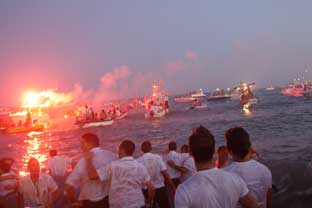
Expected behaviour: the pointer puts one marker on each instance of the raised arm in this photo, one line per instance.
(181, 169)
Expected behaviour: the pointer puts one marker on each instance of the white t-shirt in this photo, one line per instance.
(92, 190)
(211, 188)
(36, 194)
(257, 177)
(187, 162)
(154, 166)
(10, 182)
(128, 177)
(176, 157)
(58, 165)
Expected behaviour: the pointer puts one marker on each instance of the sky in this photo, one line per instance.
(108, 48)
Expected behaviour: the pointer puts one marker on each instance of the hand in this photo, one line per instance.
(171, 163)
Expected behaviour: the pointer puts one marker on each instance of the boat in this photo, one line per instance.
(156, 105)
(270, 88)
(218, 95)
(123, 115)
(294, 89)
(198, 94)
(184, 99)
(22, 129)
(203, 106)
(97, 124)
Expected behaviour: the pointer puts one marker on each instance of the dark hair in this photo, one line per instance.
(172, 146)
(237, 141)
(5, 164)
(202, 145)
(184, 148)
(91, 139)
(146, 146)
(53, 152)
(128, 146)
(33, 160)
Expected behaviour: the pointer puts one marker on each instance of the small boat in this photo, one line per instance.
(204, 106)
(158, 114)
(123, 115)
(16, 130)
(198, 94)
(270, 88)
(218, 95)
(253, 101)
(97, 124)
(296, 89)
(184, 99)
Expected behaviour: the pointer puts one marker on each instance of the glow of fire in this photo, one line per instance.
(32, 99)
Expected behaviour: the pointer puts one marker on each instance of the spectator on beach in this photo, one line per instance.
(176, 158)
(58, 166)
(127, 178)
(223, 157)
(8, 184)
(257, 176)
(158, 173)
(37, 189)
(93, 192)
(211, 187)
(187, 168)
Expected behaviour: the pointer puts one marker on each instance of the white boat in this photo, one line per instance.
(253, 101)
(158, 114)
(296, 89)
(184, 99)
(270, 88)
(204, 106)
(218, 95)
(122, 116)
(97, 124)
(198, 94)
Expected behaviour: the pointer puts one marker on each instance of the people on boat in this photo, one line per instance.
(157, 170)
(103, 115)
(256, 175)
(28, 121)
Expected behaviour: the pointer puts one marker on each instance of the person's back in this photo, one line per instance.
(211, 188)
(58, 165)
(257, 177)
(127, 180)
(154, 165)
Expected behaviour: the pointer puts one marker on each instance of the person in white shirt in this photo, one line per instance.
(158, 173)
(37, 189)
(57, 166)
(210, 187)
(176, 158)
(93, 192)
(127, 178)
(257, 176)
(187, 168)
(8, 184)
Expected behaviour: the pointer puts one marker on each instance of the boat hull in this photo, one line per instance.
(151, 115)
(216, 98)
(97, 124)
(18, 130)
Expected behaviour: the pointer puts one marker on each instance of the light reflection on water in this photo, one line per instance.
(34, 148)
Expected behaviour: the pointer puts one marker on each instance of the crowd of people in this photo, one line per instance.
(190, 177)
(88, 114)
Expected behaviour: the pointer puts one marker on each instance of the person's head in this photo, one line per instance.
(126, 148)
(33, 166)
(146, 146)
(5, 165)
(237, 142)
(53, 153)
(172, 146)
(184, 148)
(89, 141)
(202, 145)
